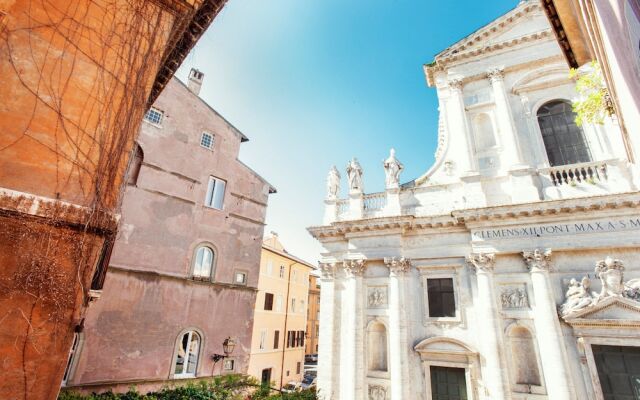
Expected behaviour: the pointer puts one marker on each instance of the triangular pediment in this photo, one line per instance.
(526, 19)
(611, 310)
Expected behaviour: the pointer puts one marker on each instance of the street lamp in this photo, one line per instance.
(227, 347)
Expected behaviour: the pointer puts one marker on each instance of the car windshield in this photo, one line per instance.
(308, 379)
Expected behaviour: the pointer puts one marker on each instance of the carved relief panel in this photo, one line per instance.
(514, 296)
(377, 296)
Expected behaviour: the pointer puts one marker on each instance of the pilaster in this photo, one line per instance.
(548, 330)
(459, 137)
(398, 347)
(493, 372)
(350, 380)
(328, 366)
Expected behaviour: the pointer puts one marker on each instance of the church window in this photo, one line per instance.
(441, 297)
(564, 141)
(523, 352)
(377, 347)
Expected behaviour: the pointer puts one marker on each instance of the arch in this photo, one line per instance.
(203, 261)
(484, 132)
(137, 158)
(444, 345)
(377, 347)
(549, 76)
(524, 356)
(564, 141)
(187, 354)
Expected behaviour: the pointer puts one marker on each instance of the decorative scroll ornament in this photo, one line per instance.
(481, 262)
(514, 298)
(328, 270)
(392, 170)
(333, 183)
(455, 84)
(397, 266)
(377, 392)
(354, 174)
(611, 274)
(354, 267)
(495, 74)
(537, 260)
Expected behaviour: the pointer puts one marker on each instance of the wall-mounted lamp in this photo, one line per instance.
(227, 347)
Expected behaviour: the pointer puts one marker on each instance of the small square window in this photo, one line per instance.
(154, 116)
(241, 278)
(229, 365)
(206, 140)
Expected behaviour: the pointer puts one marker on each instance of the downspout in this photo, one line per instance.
(286, 316)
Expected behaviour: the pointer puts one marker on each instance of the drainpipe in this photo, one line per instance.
(286, 316)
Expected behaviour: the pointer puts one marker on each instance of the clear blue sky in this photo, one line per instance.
(313, 83)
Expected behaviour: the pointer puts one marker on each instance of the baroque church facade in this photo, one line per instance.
(510, 269)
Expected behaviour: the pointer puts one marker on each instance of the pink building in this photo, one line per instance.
(184, 271)
(609, 32)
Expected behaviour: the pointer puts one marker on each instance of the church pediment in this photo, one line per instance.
(610, 311)
(443, 345)
(553, 75)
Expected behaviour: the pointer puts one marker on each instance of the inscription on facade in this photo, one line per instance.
(573, 228)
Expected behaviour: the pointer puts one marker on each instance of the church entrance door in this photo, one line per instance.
(619, 371)
(448, 383)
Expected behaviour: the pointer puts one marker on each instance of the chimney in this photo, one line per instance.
(195, 81)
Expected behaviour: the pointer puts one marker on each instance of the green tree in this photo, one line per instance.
(595, 102)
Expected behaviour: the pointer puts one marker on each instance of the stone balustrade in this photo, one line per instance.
(574, 174)
(374, 202)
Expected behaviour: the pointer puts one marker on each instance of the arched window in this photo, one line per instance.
(187, 354)
(525, 361)
(564, 141)
(135, 164)
(203, 262)
(377, 347)
(485, 138)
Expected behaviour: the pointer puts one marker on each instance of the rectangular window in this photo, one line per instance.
(263, 338)
(317, 330)
(215, 193)
(268, 301)
(241, 278)
(206, 140)
(441, 297)
(279, 301)
(229, 365)
(269, 268)
(298, 367)
(276, 339)
(282, 271)
(294, 276)
(154, 116)
(293, 305)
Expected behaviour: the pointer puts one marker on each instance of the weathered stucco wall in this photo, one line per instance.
(150, 297)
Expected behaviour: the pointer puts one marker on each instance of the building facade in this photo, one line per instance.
(184, 271)
(609, 32)
(69, 116)
(277, 347)
(313, 316)
(510, 269)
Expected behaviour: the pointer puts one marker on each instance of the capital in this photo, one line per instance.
(354, 267)
(455, 84)
(495, 74)
(537, 260)
(397, 266)
(481, 262)
(328, 270)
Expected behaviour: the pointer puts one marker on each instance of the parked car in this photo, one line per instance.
(292, 387)
(311, 358)
(309, 381)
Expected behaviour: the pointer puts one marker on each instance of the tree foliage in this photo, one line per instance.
(595, 102)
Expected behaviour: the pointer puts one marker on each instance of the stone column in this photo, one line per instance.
(493, 372)
(351, 331)
(510, 155)
(328, 371)
(459, 138)
(548, 330)
(398, 362)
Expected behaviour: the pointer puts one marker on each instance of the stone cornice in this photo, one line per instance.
(478, 216)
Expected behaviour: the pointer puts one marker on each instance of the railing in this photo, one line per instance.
(573, 174)
(343, 206)
(375, 201)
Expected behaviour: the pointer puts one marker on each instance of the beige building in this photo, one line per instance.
(313, 316)
(278, 343)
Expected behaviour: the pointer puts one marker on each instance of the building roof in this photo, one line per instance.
(272, 244)
(569, 31)
(184, 37)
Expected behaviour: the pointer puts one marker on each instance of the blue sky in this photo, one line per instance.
(313, 83)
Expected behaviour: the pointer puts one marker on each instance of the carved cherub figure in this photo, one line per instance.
(577, 296)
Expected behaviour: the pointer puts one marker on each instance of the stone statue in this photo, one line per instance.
(354, 174)
(610, 272)
(333, 183)
(577, 297)
(392, 170)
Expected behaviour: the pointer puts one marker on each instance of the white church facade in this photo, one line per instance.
(510, 269)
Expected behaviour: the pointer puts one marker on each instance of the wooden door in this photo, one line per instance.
(448, 383)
